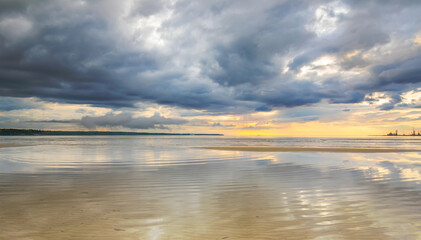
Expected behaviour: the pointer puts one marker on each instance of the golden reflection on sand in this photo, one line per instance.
(238, 214)
(128, 206)
(308, 149)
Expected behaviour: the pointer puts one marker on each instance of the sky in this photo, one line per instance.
(239, 67)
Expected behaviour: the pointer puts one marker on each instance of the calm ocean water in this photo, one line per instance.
(161, 187)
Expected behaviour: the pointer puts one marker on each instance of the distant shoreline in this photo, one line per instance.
(35, 132)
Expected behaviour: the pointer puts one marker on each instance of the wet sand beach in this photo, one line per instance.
(167, 188)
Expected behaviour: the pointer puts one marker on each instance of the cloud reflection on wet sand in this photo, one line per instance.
(186, 193)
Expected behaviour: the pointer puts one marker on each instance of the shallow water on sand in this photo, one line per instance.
(155, 187)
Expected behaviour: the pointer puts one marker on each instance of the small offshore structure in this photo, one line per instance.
(413, 133)
(393, 134)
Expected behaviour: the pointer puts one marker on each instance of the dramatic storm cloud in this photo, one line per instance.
(128, 121)
(217, 57)
(125, 120)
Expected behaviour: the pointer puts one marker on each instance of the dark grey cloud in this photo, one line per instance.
(125, 120)
(217, 56)
(395, 99)
(280, 94)
(248, 57)
(394, 79)
(128, 121)
(398, 73)
(218, 124)
(10, 104)
(147, 7)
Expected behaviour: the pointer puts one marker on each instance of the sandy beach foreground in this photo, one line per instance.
(161, 187)
(308, 149)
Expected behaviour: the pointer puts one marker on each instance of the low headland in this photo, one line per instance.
(36, 132)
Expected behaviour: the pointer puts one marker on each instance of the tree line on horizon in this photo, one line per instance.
(36, 132)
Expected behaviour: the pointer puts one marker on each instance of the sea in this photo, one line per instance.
(168, 187)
